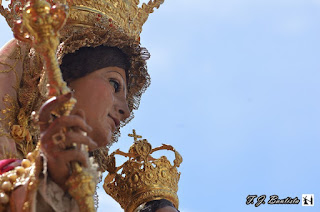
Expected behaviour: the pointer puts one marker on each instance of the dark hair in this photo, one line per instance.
(88, 59)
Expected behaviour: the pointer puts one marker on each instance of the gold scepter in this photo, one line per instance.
(40, 27)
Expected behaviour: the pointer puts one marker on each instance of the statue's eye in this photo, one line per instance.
(115, 85)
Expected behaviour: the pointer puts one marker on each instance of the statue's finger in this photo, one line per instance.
(72, 121)
(80, 113)
(50, 105)
(73, 155)
(79, 138)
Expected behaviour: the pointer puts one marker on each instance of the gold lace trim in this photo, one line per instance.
(30, 99)
(10, 112)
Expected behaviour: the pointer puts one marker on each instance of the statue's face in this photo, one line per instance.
(102, 97)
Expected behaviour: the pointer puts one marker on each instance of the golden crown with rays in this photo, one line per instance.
(126, 15)
(143, 178)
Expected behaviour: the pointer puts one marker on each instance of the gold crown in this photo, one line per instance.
(143, 178)
(123, 14)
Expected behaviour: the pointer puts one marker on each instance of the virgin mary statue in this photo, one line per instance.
(104, 67)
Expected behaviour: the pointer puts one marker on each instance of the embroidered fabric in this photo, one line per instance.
(53, 195)
(10, 74)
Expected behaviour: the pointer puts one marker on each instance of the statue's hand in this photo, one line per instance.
(58, 139)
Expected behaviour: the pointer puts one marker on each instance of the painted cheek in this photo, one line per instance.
(102, 91)
(104, 99)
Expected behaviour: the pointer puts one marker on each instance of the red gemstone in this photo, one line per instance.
(17, 8)
(110, 25)
(110, 19)
(98, 19)
(99, 15)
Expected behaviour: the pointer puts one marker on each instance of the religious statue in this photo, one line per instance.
(72, 77)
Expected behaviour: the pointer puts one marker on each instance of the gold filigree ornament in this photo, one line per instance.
(21, 134)
(82, 184)
(9, 113)
(142, 178)
(123, 14)
(24, 175)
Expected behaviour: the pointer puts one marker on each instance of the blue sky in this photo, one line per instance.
(235, 89)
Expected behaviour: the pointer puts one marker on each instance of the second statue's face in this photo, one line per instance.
(101, 95)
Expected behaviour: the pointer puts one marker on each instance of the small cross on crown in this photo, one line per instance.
(134, 135)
